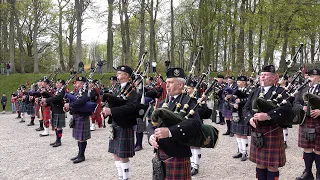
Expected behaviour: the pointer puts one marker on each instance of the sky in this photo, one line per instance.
(95, 31)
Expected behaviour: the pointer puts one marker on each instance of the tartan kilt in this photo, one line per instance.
(96, 116)
(46, 113)
(58, 120)
(227, 113)
(310, 123)
(81, 129)
(272, 154)
(141, 126)
(240, 128)
(37, 108)
(22, 106)
(30, 108)
(176, 168)
(17, 103)
(122, 143)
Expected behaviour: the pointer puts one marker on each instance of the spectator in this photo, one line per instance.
(2, 66)
(4, 103)
(92, 66)
(81, 67)
(154, 66)
(72, 70)
(100, 64)
(8, 68)
(13, 104)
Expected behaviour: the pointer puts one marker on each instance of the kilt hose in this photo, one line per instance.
(122, 143)
(176, 168)
(22, 106)
(272, 154)
(58, 120)
(30, 108)
(141, 126)
(96, 116)
(240, 128)
(310, 123)
(81, 129)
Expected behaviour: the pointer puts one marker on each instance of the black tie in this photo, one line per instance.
(171, 100)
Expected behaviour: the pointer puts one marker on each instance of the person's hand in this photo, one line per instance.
(153, 141)
(106, 111)
(305, 108)
(236, 106)
(66, 107)
(253, 123)
(260, 116)
(237, 100)
(315, 113)
(162, 132)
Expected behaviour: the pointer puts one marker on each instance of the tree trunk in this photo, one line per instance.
(282, 65)
(127, 31)
(79, 10)
(35, 36)
(20, 42)
(4, 35)
(123, 34)
(71, 18)
(240, 44)
(312, 46)
(233, 36)
(110, 37)
(172, 34)
(11, 35)
(60, 47)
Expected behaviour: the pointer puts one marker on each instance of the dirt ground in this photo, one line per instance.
(25, 155)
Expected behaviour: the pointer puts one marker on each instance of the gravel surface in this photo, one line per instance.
(25, 155)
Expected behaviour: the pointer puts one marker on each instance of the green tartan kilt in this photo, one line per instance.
(122, 143)
(58, 120)
(22, 106)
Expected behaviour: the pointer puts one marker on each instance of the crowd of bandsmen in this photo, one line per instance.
(234, 105)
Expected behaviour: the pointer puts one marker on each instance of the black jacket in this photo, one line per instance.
(56, 102)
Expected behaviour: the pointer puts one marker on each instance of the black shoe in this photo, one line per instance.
(51, 144)
(285, 145)
(239, 155)
(40, 129)
(22, 121)
(226, 133)
(138, 148)
(57, 144)
(222, 123)
(74, 158)
(79, 159)
(305, 176)
(31, 123)
(194, 171)
(18, 117)
(231, 134)
(244, 157)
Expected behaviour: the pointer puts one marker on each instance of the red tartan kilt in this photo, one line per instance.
(17, 105)
(272, 154)
(46, 113)
(310, 123)
(96, 117)
(176, 168)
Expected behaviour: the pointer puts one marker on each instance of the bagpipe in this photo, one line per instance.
(207, 137)
(111, 100)
(312, 101)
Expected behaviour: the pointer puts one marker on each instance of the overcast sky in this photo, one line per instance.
(96, 31)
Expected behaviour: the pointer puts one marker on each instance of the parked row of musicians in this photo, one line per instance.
(260, 108)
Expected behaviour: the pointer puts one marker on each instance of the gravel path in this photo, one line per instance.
(25, 155)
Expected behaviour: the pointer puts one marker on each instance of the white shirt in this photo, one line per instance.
(266, 89)
(123, 85)
(154, 64)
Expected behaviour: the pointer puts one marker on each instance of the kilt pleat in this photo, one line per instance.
(22, 106)
(81, 129)
(30, 108)
(122, 143)
(176, 168)
(58, 120)
(310, 123)
(17, 103)
(141, 126)
(46, 113)
(240, 128)
(272, 154)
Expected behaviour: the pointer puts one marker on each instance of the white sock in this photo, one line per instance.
(119, 169)
(244, 143)
(192, 157)
(197, 153)
(125, 170)
(285, 134)
(239, 144)
(22, 116)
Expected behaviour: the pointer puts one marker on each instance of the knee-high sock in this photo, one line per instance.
(221, 117)
(317, 160)
(308, 161)
(119, 169)
(273, 175)
(239, 145)
(59, 135)
(244, 144)
(261, 174)
(228, 125)
(83, 146)
(197, 153)
(192, 157)
(285, 134)
(125, 170)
